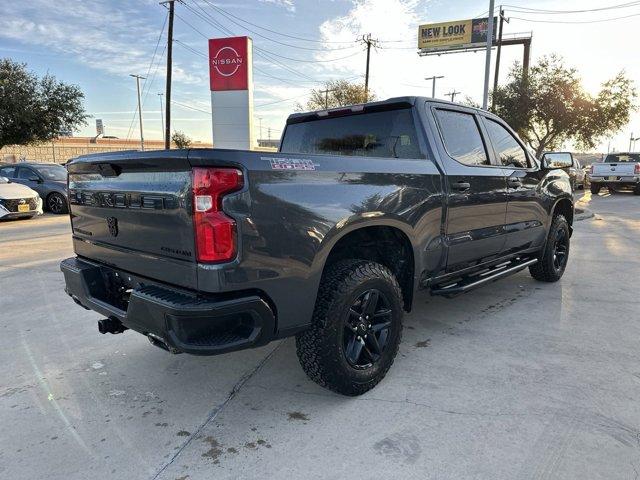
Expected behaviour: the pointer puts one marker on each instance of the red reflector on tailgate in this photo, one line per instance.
(215, 232)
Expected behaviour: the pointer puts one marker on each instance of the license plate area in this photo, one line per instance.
(23, 208)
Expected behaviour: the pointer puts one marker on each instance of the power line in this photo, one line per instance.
(216, 23)
(575, 21)
(259, 52)
(274, 31)
(230, 17)
(133, 118)
(190, 107)
(562, 12)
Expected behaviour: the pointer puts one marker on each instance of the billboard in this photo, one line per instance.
(456, 35)
(229, 63)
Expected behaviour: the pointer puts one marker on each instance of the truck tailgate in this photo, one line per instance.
(133, 211)
(622, 169)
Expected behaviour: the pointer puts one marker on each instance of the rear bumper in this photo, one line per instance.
(175, 319)
(615, 179)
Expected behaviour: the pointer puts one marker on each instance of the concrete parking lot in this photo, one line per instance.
(517, 380)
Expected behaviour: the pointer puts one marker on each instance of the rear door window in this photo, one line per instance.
(8, 172)
(462, 138)
(509, 151)
(387, 134)
(25, 173)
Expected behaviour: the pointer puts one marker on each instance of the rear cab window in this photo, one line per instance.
(461, 137)
(384, 134)
(623, 158)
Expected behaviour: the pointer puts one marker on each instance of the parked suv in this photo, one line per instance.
(206, 251)
(48, 179)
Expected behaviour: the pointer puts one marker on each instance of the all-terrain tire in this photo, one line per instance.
(547, 268)
(321, 349)
(595, 188)
(636, 190)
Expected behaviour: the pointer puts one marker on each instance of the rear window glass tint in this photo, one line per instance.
(389, 134)
(623, 157)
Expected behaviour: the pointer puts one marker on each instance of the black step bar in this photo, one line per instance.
(472, 281)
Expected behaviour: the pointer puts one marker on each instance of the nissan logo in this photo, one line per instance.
(227, 61)
(22, 201)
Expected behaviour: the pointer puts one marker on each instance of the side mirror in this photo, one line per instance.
(552, 160)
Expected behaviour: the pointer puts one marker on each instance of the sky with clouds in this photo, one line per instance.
(297, 45)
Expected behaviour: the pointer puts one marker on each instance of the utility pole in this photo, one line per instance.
(260, 122)
(487, 66)
(167, 131)
(326, 92)
(433, 85)
(499, 51)
(161, 114)
(452, 94)
(138, 77)
(369, 42)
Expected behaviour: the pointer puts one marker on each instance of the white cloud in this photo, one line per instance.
(287, 4)
(113, 40)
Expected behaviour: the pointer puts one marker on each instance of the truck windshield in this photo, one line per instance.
(622, 157)
(388, 134)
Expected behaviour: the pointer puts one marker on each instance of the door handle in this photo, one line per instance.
(514, 182)
(461, 186)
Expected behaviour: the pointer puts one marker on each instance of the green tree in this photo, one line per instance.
(550, 107)
(36, 109)
(336, 93)
(180, 139)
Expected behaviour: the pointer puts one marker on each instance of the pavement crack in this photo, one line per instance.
(214, 413)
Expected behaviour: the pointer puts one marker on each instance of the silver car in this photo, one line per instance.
(18, 201)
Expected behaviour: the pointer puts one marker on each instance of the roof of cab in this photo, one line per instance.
(388, 104)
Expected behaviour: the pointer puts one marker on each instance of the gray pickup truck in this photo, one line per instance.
(207, 251)
(618, 171)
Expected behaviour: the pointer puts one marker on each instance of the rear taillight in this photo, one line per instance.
(215, 233)
(637, 169)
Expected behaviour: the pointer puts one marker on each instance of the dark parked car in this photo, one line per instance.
(48, 179)
(207, 251)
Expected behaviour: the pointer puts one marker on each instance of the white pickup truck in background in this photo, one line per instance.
(619, 170)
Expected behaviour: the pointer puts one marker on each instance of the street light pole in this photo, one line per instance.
(138, 77)
(161, 115)
(487, 66)
(433, 85)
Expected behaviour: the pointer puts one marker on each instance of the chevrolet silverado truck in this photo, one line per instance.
(207, 251)
(618, 171)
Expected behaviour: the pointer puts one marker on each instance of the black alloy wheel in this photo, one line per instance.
(561, 250)
(553, 258)
(366, 329)
(56, 203)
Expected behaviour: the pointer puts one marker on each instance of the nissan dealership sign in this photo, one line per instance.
(231, 84)
(228, 64)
